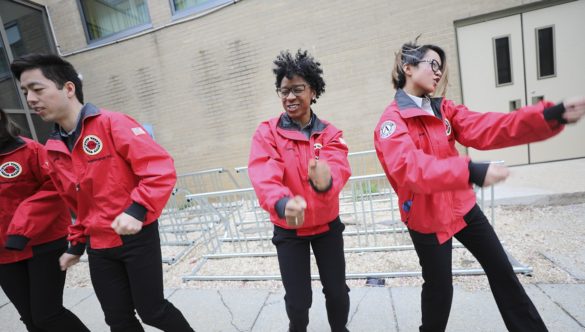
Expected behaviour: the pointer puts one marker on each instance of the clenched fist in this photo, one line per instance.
(294, 211)
(319, 173)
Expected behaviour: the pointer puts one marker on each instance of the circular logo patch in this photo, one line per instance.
(448, 126)
(387, 129)
(10, 170)
(92, 145)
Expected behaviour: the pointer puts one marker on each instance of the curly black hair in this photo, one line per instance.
(303, 65)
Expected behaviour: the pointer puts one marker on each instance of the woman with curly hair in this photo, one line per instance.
(415, 143)
(298, 165)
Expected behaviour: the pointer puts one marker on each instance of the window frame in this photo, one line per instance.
(509, 37)
(178, 14)
(117, 35)
(554, 58)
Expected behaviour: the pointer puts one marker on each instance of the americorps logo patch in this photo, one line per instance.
(10, 170)
(387, 129)
(448, 126)
(92, 145)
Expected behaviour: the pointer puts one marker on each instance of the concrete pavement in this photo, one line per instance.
(562, 306)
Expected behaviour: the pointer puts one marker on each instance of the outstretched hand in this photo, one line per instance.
(495, 174)
(574, 109)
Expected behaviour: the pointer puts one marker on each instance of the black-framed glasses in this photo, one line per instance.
(297, 90)
(435, 66)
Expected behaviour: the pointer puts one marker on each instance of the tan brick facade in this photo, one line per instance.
(206, 83)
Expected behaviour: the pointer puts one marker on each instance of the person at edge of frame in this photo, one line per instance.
(415, 143)
(33, 235)
(116, 179)
(298, 166)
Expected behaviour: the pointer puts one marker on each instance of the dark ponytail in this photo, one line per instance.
(8, 129)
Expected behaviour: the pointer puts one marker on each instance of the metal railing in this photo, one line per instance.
(237, 228)
(183, 225)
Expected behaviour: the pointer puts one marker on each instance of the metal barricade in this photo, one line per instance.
(364, 163)
(183, 224)
(368, 208)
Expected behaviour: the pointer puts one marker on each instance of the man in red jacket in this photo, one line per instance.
(117, 180)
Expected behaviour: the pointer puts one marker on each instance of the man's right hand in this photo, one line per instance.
(67, 260)
(294, 211)
(495, 174)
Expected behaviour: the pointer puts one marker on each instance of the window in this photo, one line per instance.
(24, 29)
(545, 52)
(113, 18)
(503, 60)
(186, 7)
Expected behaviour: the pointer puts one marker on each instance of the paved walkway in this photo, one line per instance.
(562, 306)
(372, 309)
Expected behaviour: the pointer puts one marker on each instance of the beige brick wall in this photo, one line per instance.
(205, 84)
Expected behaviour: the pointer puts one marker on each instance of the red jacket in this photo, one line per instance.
(278, 167)
(113, 166)
(418, 154)
(31, 211)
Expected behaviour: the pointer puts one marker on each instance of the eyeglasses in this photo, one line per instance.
(297, 90)
(435, 66)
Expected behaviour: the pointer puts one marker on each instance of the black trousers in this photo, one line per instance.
(35, 287)
(480, 239)
(130, 277)
(295, 268)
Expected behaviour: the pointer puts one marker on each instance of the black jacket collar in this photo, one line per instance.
(287, 123)
(87, 110)
(11, 145)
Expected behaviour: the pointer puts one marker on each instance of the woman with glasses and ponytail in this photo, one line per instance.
(415, 143)
(298, 165)
(33, 231)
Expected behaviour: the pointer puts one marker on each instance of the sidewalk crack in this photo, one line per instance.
(560, 306)
(393, 310)
(264, 304)
(357, 306)
(229, 311)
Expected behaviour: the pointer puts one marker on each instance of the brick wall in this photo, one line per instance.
(205, 84)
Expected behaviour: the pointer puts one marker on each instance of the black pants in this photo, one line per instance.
(480, 239)
(295, 268)
(35, 287)
(130, 277)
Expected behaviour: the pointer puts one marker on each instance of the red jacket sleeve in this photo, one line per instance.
(266, 169)
(492, 130)
(334, 153)
(41, 210)
(153, 166)
(412, 168)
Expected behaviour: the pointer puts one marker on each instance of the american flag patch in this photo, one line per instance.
(138, 131)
